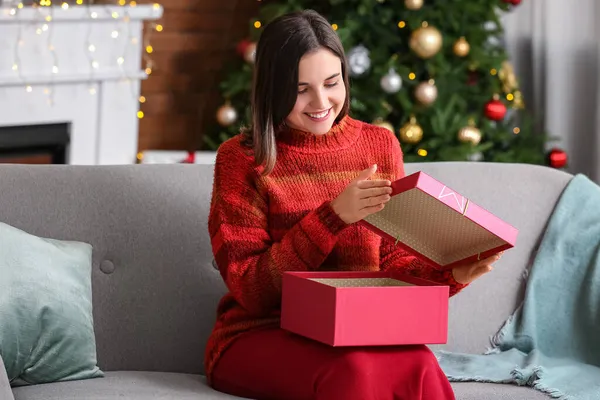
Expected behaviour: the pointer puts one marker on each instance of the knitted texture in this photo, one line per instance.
(261, 226)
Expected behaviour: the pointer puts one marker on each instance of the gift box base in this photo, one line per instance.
(364, 308)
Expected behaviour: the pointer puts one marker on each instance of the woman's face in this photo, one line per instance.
(321, 93)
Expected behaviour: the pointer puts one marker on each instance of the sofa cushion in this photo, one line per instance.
(46, 324)
(126, 386)
(494, 391)
(160, 385)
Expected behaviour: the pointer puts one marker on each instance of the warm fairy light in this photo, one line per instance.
(15, 66)
(94, 15)
(95, 64)
(510, 97)
(92, 48)
(65, 6)
(122, 2)
(148, 70)
(55, 69)
(140, 114)
(401, 24)
(159, 28)
(516, 130)
(133, 4)
(79, 2)
(12, 11)
(20, 5)
(115, 15)
(120, 60)
(29, 88)
(412, 76)
(92, 90)
(156, 6)
(422, 152)
(114, 34)
(493, 71)
(334, 26)
(142, 99)
(257, 24)
(149, 49)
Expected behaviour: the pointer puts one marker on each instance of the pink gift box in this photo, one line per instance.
(438, 224)
(364, 308)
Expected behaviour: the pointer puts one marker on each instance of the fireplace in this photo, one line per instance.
(34, 144)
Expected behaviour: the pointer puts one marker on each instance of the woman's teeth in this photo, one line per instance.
(319, 115)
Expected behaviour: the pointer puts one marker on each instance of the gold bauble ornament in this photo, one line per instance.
(226, 115)
(426, 92)
(413, 4)
(469, 134)
(250, 53)
(411, 132)
(508, 77)
(426, 41)
(384, 124)
(461, 47)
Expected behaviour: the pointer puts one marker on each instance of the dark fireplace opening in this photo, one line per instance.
(34, 144)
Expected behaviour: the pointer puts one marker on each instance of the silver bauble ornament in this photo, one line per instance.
(250, 53)
(426, 92)
(226, 115)
(359, 60)
(391, 82)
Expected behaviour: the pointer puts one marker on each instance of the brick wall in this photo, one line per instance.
(198, 38)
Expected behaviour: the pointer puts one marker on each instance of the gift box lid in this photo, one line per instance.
(436, 223)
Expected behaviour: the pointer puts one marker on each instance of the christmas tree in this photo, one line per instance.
(435, 72)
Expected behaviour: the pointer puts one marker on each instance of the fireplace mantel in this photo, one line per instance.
(82, 65)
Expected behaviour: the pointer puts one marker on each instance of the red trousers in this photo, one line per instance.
(277, 365)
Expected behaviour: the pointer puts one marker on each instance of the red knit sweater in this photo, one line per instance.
(262, 226)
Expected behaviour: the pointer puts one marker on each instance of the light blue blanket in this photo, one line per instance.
(552, 342)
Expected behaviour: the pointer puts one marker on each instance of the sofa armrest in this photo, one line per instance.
(5, 390)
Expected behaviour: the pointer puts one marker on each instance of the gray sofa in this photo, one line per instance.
(155, 289)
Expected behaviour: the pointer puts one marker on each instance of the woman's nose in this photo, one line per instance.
(320, 100)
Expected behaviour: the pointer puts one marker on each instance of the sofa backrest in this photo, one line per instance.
(155, 289)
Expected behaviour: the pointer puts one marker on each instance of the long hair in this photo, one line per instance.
(281, 46)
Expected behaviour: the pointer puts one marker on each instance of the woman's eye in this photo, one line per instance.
(302, 91)
(331, 84)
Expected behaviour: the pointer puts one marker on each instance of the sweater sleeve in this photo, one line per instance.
(250, 262)
(395, 257)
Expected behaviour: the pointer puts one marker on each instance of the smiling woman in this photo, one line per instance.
(288, 195)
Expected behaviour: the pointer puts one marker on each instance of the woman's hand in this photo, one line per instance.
(362, 197)
(466, 274)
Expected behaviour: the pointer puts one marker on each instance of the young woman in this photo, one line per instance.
(287, 195)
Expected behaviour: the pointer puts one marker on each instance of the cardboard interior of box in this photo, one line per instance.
(433, 229)
(361, 282)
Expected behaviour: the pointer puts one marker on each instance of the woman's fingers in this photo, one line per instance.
(367, 184)
(374, 192)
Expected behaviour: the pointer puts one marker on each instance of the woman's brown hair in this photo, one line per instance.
(282, 44)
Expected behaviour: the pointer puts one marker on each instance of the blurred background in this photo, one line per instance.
(120, 82)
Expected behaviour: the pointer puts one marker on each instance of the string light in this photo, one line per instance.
(46, 28)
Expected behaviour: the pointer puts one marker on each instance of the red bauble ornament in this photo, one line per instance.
(557, 158)
(190, 159)
(242, 46)
(513, 2)
(495, 110)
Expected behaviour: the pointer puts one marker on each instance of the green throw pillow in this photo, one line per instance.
(46, 323)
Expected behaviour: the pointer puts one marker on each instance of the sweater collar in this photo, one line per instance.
(341, 135)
